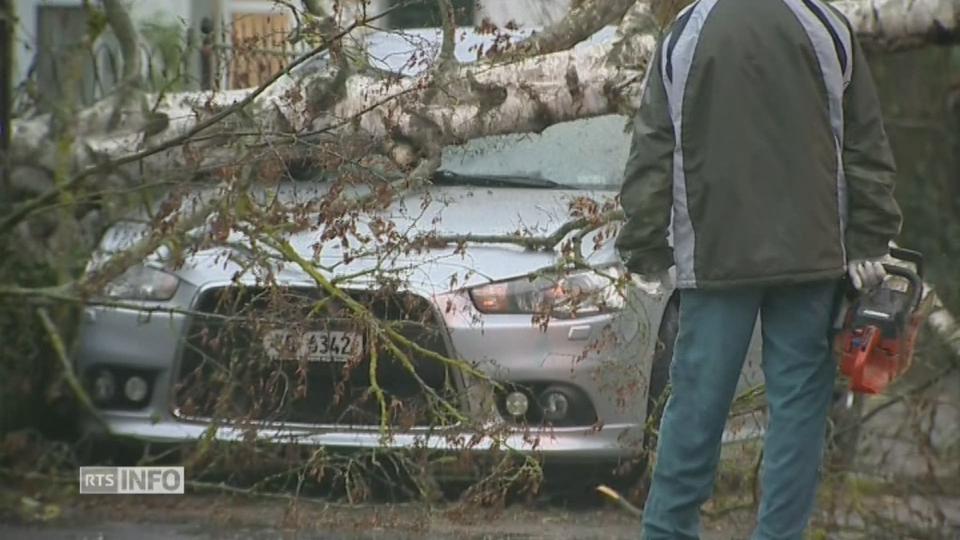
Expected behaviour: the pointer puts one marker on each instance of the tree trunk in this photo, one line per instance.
(485, 99)
(893, 24)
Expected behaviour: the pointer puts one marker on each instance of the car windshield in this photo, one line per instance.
(582, 154)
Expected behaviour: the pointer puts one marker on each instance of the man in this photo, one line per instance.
(760, 138)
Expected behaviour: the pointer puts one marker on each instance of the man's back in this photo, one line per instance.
(761, 170)
(754, 97)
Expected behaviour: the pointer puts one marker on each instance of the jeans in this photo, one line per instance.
(716, 327)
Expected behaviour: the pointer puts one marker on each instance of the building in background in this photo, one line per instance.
(192, 44)
(184, 44)
(471, 12)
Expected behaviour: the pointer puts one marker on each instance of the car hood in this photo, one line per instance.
(440, 210)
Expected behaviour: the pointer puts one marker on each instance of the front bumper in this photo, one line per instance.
(509, 349)
(556, 444)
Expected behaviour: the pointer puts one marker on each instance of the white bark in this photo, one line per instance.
(486, 99)
(480, 99)
(945, 325)
(903, 22)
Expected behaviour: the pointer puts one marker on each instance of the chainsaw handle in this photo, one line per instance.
(916, 283)
(910, 256)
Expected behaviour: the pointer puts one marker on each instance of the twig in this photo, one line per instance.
(250, 492)
(583, 20)
(530, 242)
(375, 383)
(61, 351)
(622, 502)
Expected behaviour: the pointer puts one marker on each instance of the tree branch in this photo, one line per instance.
(584, 20)
(448, 58)
(313, 7)
(548, 242)
(130, 86)
(60, 350)
(327, 24)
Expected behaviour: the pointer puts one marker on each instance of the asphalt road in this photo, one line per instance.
(203, 516)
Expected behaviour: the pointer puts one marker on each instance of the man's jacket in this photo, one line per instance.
(760, 139)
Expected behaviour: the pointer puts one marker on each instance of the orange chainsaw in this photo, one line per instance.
(880, 327)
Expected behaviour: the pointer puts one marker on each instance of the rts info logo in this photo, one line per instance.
(131, 480)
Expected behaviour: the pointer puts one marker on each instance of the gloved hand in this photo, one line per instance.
(866, 273)
(652, 283)
(650, 270)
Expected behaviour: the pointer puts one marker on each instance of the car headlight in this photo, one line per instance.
(571, 295)
(143, 283)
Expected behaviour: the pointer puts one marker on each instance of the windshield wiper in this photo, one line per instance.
(449, 178)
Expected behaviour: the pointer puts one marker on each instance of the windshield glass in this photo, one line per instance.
(583, 154)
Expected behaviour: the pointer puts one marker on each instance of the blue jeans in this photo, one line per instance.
(715, 331)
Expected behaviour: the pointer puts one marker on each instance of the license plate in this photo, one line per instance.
(313, 345)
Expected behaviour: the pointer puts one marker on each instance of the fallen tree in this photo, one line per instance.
(526, 88)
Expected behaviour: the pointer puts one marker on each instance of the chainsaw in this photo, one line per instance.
(876, 342)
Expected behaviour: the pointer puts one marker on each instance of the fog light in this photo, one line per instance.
(136, 389)
(555, 405)
(104, 386)
(517, 403)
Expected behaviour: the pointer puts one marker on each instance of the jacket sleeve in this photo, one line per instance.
(874, 217)
(647, 191)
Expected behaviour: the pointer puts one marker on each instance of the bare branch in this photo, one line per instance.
(126, 34)
(532, 242)
(60, 349)
(327, 25)
(448, 57)
(584, 20)
(130, 87)
(313, 7)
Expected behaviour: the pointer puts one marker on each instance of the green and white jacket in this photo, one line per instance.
(759, 149)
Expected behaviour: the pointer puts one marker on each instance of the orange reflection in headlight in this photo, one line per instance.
(492, 298)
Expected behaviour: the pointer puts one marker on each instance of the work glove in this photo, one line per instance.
(866, 273)
(652, 282)
(649, 262)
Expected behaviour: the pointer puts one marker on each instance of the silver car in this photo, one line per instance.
(213, 346)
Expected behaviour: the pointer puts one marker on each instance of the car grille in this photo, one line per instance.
(227, 373)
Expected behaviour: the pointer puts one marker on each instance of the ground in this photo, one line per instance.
(232, 517)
